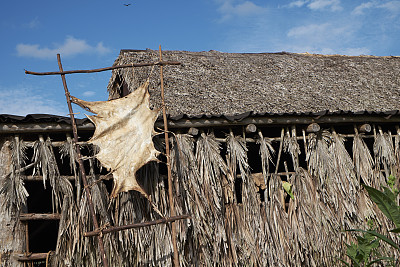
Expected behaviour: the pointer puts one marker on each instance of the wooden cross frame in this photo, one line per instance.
(98, 231)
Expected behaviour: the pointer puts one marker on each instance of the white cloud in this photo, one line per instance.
(323, 39)
(332, 33)
(298, 3)
(360, 9)
(357, 51)
(89, 93)
(319, 33)
(308, 30)
(247, 8)
(333, 5)
(70, 47)
(24, 101)
(390, 6)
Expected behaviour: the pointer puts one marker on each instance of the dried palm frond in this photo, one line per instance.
(13, 186)
(266, 152)
(278, 229)
(66, 240)
(319, 160)
(397, 153)
(186, 173)
(46, 164)
(87, 250)
(362, 159)
(249, 227)
(322, 162)
(237, 155)
(191, 199)
(345, 185)
(68, 150)
(384, 152)
(342, 161)
(211, 167)
(291, 146)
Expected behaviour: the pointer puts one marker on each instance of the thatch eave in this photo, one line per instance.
(10, 124)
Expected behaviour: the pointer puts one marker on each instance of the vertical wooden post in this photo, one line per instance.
(81, 166)
(27, 244)
(170, 196)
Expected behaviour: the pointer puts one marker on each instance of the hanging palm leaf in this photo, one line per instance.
(343, 163)
(266, 152)
(193, 199)
(384, 152)
(319, 160)
(291, 146)
(46, 164)
(66, 240)
(67, 150)
(13, 186)
(362, 159)
(251, 236)
(211, 168)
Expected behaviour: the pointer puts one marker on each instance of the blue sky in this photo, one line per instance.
(89, 34)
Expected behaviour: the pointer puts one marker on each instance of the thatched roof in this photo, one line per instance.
(232, 83)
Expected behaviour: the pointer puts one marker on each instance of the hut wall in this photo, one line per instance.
(12, 231)
(236, 221)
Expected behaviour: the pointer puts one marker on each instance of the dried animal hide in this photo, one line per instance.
(124, 130)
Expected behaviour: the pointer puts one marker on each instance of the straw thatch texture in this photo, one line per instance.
(229, 83)
(11, 234)
(230, 225)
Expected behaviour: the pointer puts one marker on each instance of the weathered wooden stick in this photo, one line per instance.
(280, 150)
(30, 257)
(304, 141)
(136, 225)
(160, 63)
(30, 264)
(80, 162)
(170, 195)
(39, 216)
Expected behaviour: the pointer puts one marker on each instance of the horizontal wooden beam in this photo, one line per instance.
(283, 120)
(30, 256)
(136, 225)
(160, 63)
(23, 127)
(39, 216)
(267, 121)
(39, 178)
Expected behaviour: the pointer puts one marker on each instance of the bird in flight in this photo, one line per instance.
(127, 4)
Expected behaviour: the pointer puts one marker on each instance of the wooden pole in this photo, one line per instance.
(30, 257)
(170, 195)
(39, 216)
(280, 150)
(135, 225)
(160, 63)
(80, 162)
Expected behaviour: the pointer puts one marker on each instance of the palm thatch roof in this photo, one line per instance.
(233, 83)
